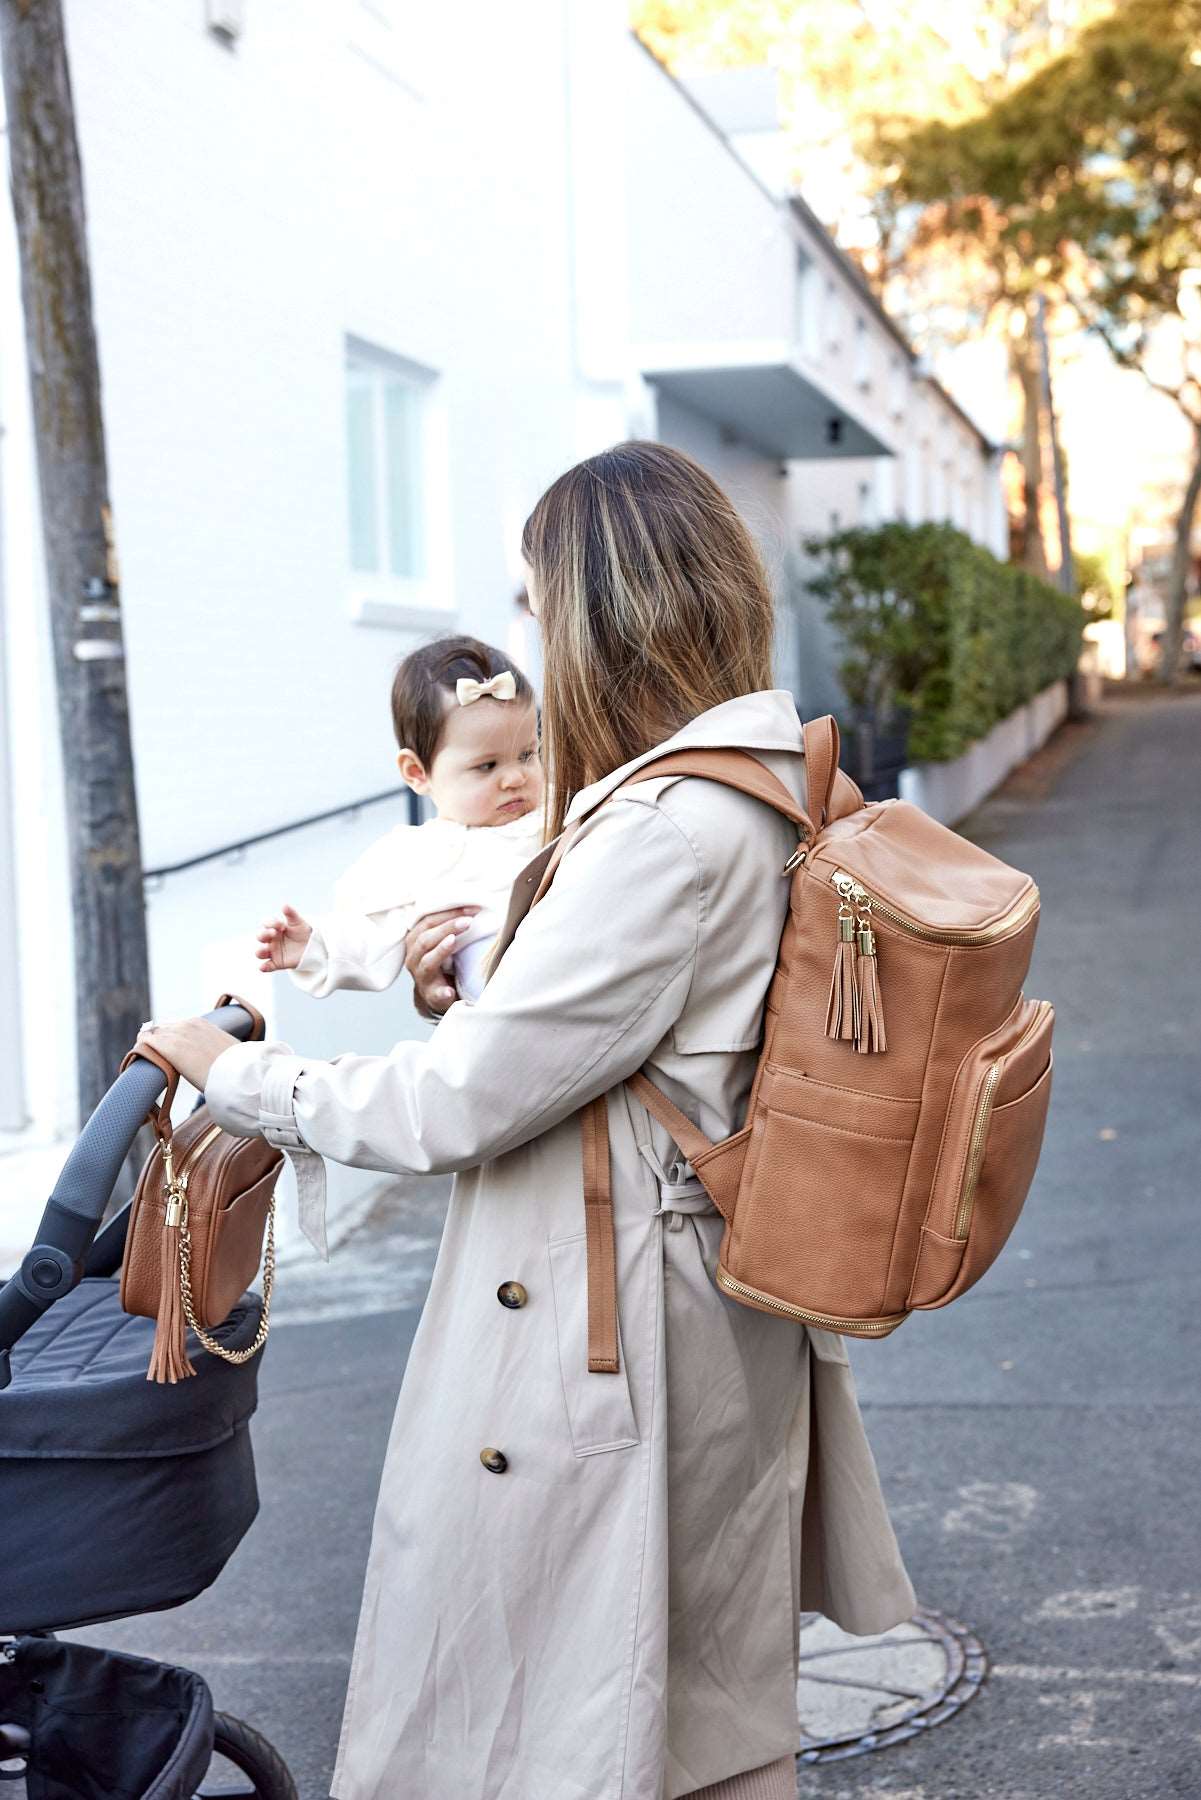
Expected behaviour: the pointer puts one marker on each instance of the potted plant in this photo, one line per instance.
(875, 619)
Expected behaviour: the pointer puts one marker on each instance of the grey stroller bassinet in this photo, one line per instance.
(117, 1496)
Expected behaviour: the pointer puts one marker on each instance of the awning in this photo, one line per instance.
(771, 404)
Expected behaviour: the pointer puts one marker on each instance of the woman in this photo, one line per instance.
(587, 1586)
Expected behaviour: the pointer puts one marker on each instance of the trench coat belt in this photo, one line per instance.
(598, 1209)
(676, 1203)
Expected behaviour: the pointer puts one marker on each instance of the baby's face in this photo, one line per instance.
(486, 770)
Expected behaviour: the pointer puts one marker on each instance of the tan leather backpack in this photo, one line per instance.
(898, 1109)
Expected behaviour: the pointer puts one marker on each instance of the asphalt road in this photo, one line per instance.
(1039, 1440)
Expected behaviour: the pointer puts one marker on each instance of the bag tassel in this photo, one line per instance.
(870, 1035)
(842, 1014)
(169, 1358)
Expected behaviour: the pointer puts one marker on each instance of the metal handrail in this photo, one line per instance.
(262, 837)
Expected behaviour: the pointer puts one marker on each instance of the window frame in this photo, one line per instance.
(862, 355)
(424, 599)
(807, 305)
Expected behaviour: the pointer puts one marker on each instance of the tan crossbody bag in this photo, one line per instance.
(204, 1203)
(898, 1108)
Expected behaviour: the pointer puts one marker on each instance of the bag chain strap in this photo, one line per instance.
(185, 1284)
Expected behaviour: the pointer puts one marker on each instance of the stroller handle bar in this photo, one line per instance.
(92, 1168)
(76, 1206)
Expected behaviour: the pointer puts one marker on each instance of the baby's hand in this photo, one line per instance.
(282, 941)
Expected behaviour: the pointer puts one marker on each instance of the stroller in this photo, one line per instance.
(117, 1497)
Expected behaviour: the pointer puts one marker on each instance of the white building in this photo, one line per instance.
(366, 277)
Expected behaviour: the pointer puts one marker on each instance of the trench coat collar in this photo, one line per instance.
(767, 720)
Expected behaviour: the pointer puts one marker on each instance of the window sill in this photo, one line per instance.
(399, 614)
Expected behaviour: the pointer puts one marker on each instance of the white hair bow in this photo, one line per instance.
(501, 687)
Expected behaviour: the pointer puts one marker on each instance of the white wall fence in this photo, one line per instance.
(949, 790)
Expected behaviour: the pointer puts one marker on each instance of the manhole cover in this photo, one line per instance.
(858, 1694)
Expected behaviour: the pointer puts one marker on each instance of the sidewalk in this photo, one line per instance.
(1038, 1440)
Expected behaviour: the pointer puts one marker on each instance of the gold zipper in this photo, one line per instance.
(824, 1321)
(175, 1181)
(202, 1143)
(963, 1212)
(984, 934)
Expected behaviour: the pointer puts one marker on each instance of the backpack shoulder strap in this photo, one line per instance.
(732, 768)
(829, 793)
(737, 769)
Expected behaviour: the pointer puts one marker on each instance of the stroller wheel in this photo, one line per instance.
(251, 1754)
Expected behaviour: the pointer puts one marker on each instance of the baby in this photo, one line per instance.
(467, 728)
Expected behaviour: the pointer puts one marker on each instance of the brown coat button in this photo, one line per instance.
(495, 1461)
(511, 1294)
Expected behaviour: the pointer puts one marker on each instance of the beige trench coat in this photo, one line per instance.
(614, 1616)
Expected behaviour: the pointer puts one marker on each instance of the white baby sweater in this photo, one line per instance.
(410, 871)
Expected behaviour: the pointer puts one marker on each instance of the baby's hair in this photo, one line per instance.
(424, 681)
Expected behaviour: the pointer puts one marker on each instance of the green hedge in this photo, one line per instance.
(934, 626)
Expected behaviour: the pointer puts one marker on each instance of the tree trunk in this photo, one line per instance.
(1169, 661)
(1066, 573)
(112, 993)
(1025, 365)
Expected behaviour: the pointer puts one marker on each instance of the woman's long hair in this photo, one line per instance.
(654, 606)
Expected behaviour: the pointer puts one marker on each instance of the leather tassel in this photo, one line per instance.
(169, 1358)
(870, 1035)
(842, 1014)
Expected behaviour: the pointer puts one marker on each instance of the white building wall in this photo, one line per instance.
(713, 262)
(42, 1088)
(277, 213)
(249, 211)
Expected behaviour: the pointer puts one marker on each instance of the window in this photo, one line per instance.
(832, 318)
(885, 488)
(807, 304)
(915, 483)
(391, 483)
(897, 385)
(867, 506)
(863, 370)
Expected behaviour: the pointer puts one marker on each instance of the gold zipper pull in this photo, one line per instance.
(870, 1035)
(168, 1357)
(842, 1011)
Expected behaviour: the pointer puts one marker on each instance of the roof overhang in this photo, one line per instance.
(763, 397)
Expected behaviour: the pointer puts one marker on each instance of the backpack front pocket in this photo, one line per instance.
(989, 1152)
(820, 1195)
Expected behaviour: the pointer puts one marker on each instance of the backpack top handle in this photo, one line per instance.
(821, 766)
